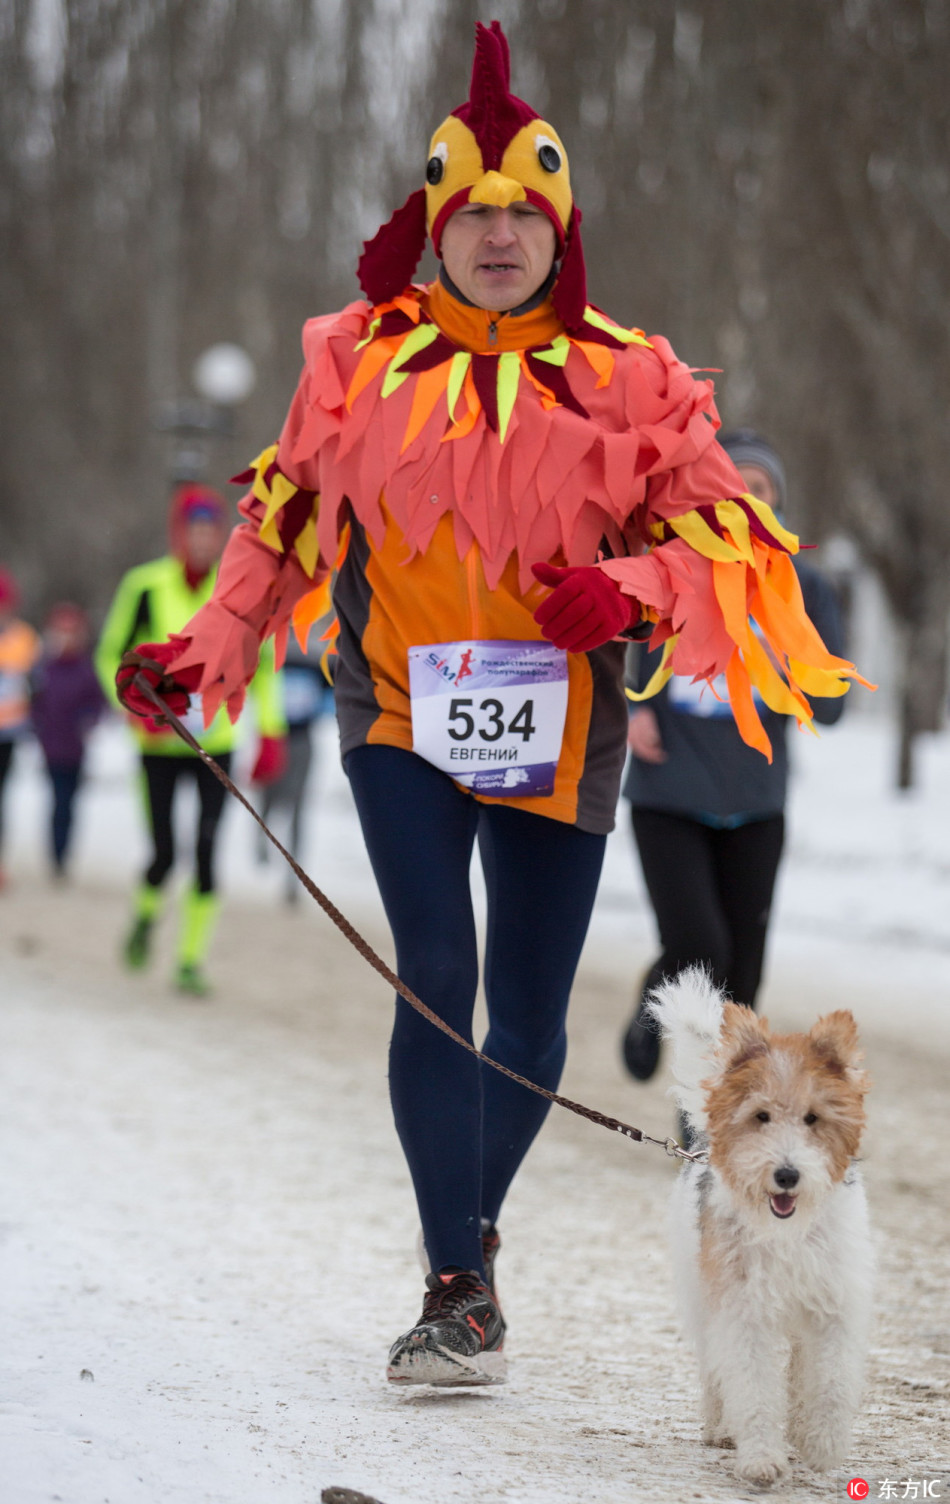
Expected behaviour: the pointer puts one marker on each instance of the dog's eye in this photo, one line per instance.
(810, 1117)
(764, 1117)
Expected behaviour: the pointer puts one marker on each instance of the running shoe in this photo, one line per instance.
(491, 1242)
(641, 1045)
(138, 944)
(191, 980)
(459, 1338)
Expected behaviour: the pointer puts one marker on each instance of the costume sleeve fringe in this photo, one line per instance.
(720, 585)
(289, 518)
(271, 575)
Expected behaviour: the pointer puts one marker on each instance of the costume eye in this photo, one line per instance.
(810, 1117)
(764, 1117)
(548, 154)
(435, 167)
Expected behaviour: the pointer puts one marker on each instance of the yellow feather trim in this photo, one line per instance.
(260, 466)
(692, 528)
(769, 520)
(509, 376)
(557, 353)
(458, 370)
(306, 545)
(740, 541)
(825, 682)
(660, 676)
(626, 336)
(274, 497)
(417, 339)
(732, 519)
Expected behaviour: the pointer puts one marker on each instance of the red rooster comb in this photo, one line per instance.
(492, 113)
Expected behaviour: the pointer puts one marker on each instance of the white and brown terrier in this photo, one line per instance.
(771, 1244)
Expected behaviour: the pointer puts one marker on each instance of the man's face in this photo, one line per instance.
(759, 483)
(66, 638)
(498, 258)
(203, 544)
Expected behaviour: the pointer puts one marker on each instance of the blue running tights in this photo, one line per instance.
(464, 1127)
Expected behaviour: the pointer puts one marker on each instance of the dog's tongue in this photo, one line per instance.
(783, 1205)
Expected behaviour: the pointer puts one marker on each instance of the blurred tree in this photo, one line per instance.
(172, 175)
(765, 183)
(768, 184)
(869, 287)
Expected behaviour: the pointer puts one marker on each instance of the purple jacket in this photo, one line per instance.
(67, 700)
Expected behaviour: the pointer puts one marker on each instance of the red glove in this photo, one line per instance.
(150, 659)
(271, 761)
(585, 609)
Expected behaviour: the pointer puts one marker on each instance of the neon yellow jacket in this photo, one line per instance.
(151, 602)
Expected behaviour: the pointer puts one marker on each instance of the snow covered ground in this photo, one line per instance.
(207, 1230)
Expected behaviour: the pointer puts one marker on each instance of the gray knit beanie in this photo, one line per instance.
(746, 447)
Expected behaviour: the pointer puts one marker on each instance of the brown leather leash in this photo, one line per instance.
(163, 715)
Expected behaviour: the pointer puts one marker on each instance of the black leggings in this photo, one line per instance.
(464, 1128)
(711, 891)
(161, 775)
(6, 757)
(64, 781)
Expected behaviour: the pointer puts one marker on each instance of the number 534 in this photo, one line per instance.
(462, 724)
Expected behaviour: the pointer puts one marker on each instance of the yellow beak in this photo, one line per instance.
(497, 190)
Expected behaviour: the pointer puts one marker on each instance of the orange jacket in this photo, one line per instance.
(448, 449)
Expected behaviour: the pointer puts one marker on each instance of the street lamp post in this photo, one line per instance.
(224, 376)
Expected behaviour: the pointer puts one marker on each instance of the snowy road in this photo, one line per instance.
(207, 1229)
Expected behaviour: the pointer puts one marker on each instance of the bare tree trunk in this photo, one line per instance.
(924, 682)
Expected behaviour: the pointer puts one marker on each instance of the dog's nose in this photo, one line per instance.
(786, 1176)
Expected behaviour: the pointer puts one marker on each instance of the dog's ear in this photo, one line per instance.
(836, 1038)
(743, 1035)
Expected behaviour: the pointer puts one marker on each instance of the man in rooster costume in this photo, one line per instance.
(503, 486)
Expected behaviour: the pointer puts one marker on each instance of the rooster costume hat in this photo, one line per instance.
(438, 458)
(495, 150)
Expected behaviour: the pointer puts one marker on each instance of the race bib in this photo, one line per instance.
(710, 703)
(491, 714)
